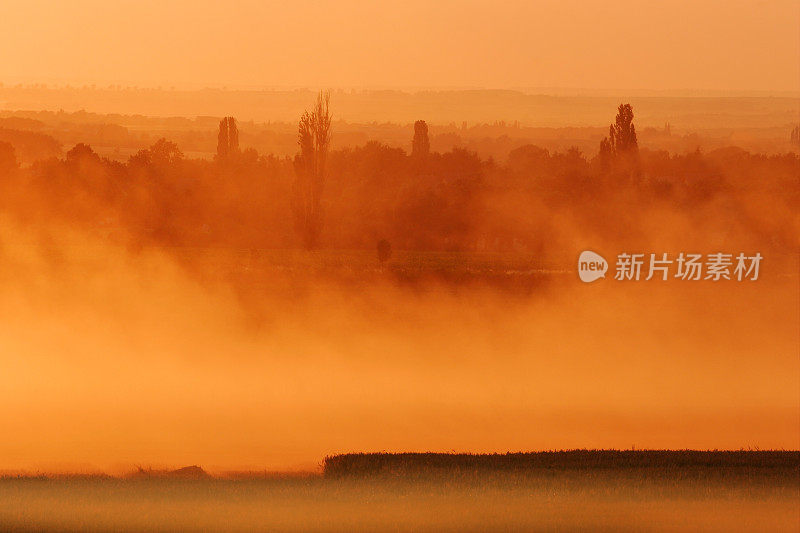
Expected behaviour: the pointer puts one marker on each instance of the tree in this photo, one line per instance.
(420, 145)
(606, 154)
(164, 152)
(621, 147)
(622, 133)
(81, 152)
(309, 167)
(228, 139)
(161, 154)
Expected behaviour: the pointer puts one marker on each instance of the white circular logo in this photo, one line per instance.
(591, 266)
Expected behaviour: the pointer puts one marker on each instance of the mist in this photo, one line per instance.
(250, 310)
(114, 359)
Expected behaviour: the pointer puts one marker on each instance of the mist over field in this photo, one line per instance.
(162, 311)
(334, 265)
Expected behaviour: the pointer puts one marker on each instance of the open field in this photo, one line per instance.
(601, 491)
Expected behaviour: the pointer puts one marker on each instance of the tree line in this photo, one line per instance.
(358, 196)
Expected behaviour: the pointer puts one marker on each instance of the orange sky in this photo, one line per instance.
(666, 45)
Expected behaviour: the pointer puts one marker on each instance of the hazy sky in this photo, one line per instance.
(669, 44)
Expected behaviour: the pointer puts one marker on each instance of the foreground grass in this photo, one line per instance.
(653, 498)
(774, 465)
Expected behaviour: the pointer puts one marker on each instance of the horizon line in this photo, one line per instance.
(558, 91)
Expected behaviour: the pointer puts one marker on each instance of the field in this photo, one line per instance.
(599, 491)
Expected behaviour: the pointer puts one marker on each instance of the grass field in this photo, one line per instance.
(588, 491)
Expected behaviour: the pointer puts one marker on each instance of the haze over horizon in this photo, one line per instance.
(569, 46)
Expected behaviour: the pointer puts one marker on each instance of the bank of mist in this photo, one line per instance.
(161, 311)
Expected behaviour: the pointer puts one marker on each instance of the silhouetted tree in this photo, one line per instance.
(420, 145)
(606, 154)
(621, 147)
(165, 152)
(228, 139)
(309, 167)
(81, 152)
(622, 134)
(795, 137)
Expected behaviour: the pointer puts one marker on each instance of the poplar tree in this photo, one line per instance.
(309, 166)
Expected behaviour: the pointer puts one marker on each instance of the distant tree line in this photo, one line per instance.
(359, 196)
